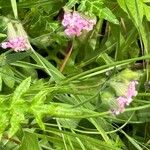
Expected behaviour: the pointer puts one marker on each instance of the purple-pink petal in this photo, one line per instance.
(75, 23)
(126, 99)
(17, 44)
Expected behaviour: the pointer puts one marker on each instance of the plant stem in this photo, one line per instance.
(69, 49)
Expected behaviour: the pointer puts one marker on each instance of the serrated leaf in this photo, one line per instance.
(21, 89)
(29, 142)
(92, 6)
(4, 120)
(18, 109)
(69, 123)
(38, 119)
(108, 15)
(39, 98)
(39, 111)
(16, 119)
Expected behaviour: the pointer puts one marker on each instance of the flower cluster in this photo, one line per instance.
(75, 23)
(126, 99)
(17, 44)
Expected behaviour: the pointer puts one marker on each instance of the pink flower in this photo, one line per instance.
(17, 44)
(121, 103)
(73, 31)
(75, 24)
(126, 99)
(131, 91)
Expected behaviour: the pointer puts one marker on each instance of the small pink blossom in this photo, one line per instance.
(126, 99)
(131, 89)
(121, 102)
(17, 44)
(75, 23)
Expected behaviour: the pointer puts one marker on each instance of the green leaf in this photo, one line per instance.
(38, 108)
(122, 4)
(38, 119)
(108, 15)
(29, 142)
(17, 112)
(8, 76)
(2, 59)
(16, 119)
(146, 1)
(2, 35)
(133, 141)
(11, 58)
(14, 7)
(51, 70)
(147, 10)
(69, 123)
(71, 3)
(39, 98)
(134, 8)
(4, 121)
(97, 7)
(21, 89)
(39, 111)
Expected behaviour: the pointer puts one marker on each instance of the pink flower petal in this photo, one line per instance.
(75, 23)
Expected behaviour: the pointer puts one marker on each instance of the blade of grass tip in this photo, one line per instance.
(14, 8)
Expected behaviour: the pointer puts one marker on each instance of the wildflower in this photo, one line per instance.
(126, 99)
(17, 44)
(17, 38)
(131, 91)
(75, 24)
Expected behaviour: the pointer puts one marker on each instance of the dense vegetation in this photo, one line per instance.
(74, 75)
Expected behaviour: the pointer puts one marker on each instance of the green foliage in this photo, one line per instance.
(28, 140)
(96, 7)
(46, 107)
